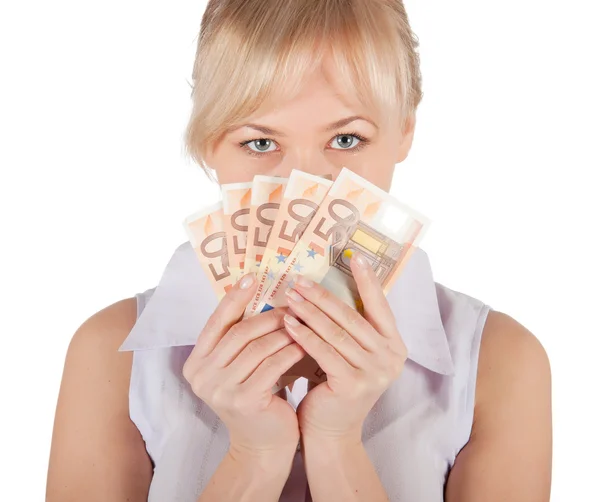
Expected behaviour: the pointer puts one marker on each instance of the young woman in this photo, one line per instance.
(430, 396)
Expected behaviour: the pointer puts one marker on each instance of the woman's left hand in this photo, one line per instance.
(361, 356)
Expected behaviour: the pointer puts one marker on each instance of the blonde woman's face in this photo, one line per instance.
(319, 132)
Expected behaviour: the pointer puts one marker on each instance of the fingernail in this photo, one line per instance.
(305, 282)
(247, 281)
(294, 295)
(292, 321)
(360, 260)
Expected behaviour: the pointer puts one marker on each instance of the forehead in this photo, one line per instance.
(320, 95)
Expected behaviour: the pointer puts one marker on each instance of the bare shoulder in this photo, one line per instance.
(96, 448)
(104, 332)
(93, 351)
(511, 360)
(509, 453)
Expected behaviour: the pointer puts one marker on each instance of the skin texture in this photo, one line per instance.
(97, 453)
(233, 368)
(508, 456)
(362, 357)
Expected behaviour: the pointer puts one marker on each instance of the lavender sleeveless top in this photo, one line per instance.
(412, 434)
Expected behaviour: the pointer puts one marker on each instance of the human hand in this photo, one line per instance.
(361, 356)
(234, 366)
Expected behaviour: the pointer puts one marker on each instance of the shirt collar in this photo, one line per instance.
(184, 299)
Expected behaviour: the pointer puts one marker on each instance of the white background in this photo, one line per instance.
(93, 187)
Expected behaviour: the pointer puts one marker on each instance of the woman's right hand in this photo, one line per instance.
(234, 366)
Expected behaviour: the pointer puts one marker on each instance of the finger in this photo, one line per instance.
(339, 312)
(228, 312)
(255, 353)
(376, 307)
(326, 329)
(245, 332)
(270, 370)
(329, 359)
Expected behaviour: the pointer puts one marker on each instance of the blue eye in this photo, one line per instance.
(262, 145)
(345, 141)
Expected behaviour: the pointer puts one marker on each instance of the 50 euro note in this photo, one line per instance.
(355, 216)
(236, 214)
(267, 193)
(206, 232)
(301, 198)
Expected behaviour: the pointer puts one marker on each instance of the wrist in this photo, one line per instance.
(245, 476)
(328, 448)
(266, 461)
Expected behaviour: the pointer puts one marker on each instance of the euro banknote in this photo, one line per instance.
(355, 216)
(267, 193)
(236, 210)
(302, 196)
(206, 233)
(319, 226)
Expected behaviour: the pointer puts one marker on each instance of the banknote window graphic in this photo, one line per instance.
(380, 251)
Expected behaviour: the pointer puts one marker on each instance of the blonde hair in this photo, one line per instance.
(251, 51)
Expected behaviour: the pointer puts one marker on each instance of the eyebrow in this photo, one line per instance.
(335, 125)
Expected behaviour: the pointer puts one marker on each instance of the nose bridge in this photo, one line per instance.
(309, 160)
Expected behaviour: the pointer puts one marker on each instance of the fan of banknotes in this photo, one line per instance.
(278, 228)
